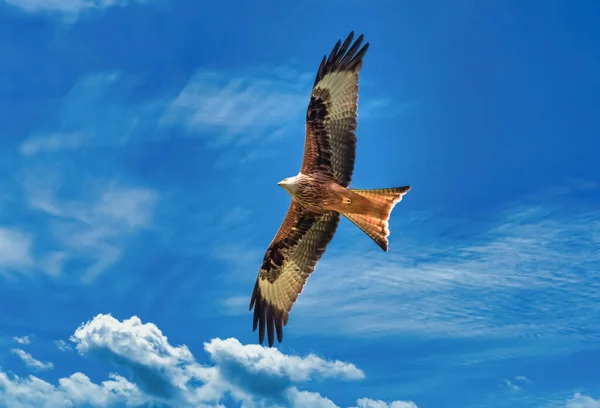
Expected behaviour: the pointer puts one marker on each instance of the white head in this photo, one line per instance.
(288, 183)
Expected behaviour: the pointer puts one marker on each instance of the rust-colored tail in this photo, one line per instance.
(373, 218)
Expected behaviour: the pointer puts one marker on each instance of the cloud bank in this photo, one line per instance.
(167, 375)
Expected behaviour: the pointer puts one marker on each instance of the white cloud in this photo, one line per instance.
(157, 367)
(307, 399)
(32, 362)
(370, 403)
(115, 391)
(269, 362)
(582, 401)
(51, 143)
(76, 390)
(22, 339)
(15, 249)
(67, 7)
(161, 373)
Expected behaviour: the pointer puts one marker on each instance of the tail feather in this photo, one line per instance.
(373, 219)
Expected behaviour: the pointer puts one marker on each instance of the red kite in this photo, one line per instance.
(320, 192)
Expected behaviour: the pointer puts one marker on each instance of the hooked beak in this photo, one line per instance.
(280, 183)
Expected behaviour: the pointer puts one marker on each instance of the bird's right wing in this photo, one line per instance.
(288, 262)
(331, 118)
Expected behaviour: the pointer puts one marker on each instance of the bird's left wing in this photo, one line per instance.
(288, 262)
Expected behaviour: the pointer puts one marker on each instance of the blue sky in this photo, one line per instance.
(141, 146)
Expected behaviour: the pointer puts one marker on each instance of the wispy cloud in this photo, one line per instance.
(22, 340)
(82, 215)
(383, 108)
(51, 143)
(62, 345)
(70, 8)
(99, 110)
(93, 227)
(165, 374)
(479, 286)
(470, 288)
(236, 110)
(32, 362)
(243, 116)
(15, 250)
(516, 383)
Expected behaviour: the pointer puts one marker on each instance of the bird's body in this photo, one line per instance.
(318, 192)
(321, 193)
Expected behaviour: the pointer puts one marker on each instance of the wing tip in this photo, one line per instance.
(343, 57)
(265, 314)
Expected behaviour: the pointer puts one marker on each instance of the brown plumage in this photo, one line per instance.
(320, 192)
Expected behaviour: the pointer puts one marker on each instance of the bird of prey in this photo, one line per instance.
(320, 192)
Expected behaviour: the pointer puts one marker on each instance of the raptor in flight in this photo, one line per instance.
(320, 192)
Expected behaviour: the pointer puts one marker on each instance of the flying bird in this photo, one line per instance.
(320, 192)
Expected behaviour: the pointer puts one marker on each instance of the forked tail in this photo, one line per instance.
(373, 218)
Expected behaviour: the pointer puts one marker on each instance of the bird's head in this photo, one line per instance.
(288, 184)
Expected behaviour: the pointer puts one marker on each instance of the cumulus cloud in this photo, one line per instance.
(161, 373)
(157, 367)
(582, 401)
(370, 403)
(76, 390)
(32, 362)
(241, 365)
(256, 360)
(166, 371)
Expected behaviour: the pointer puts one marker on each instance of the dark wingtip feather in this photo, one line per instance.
(255, 318)
(266, 317)
(253, 298)
(261, 324)
(343, 57)
(335, 49)
(279, 328)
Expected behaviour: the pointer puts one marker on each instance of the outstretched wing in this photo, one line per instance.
(289, 261)
(330, 144)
